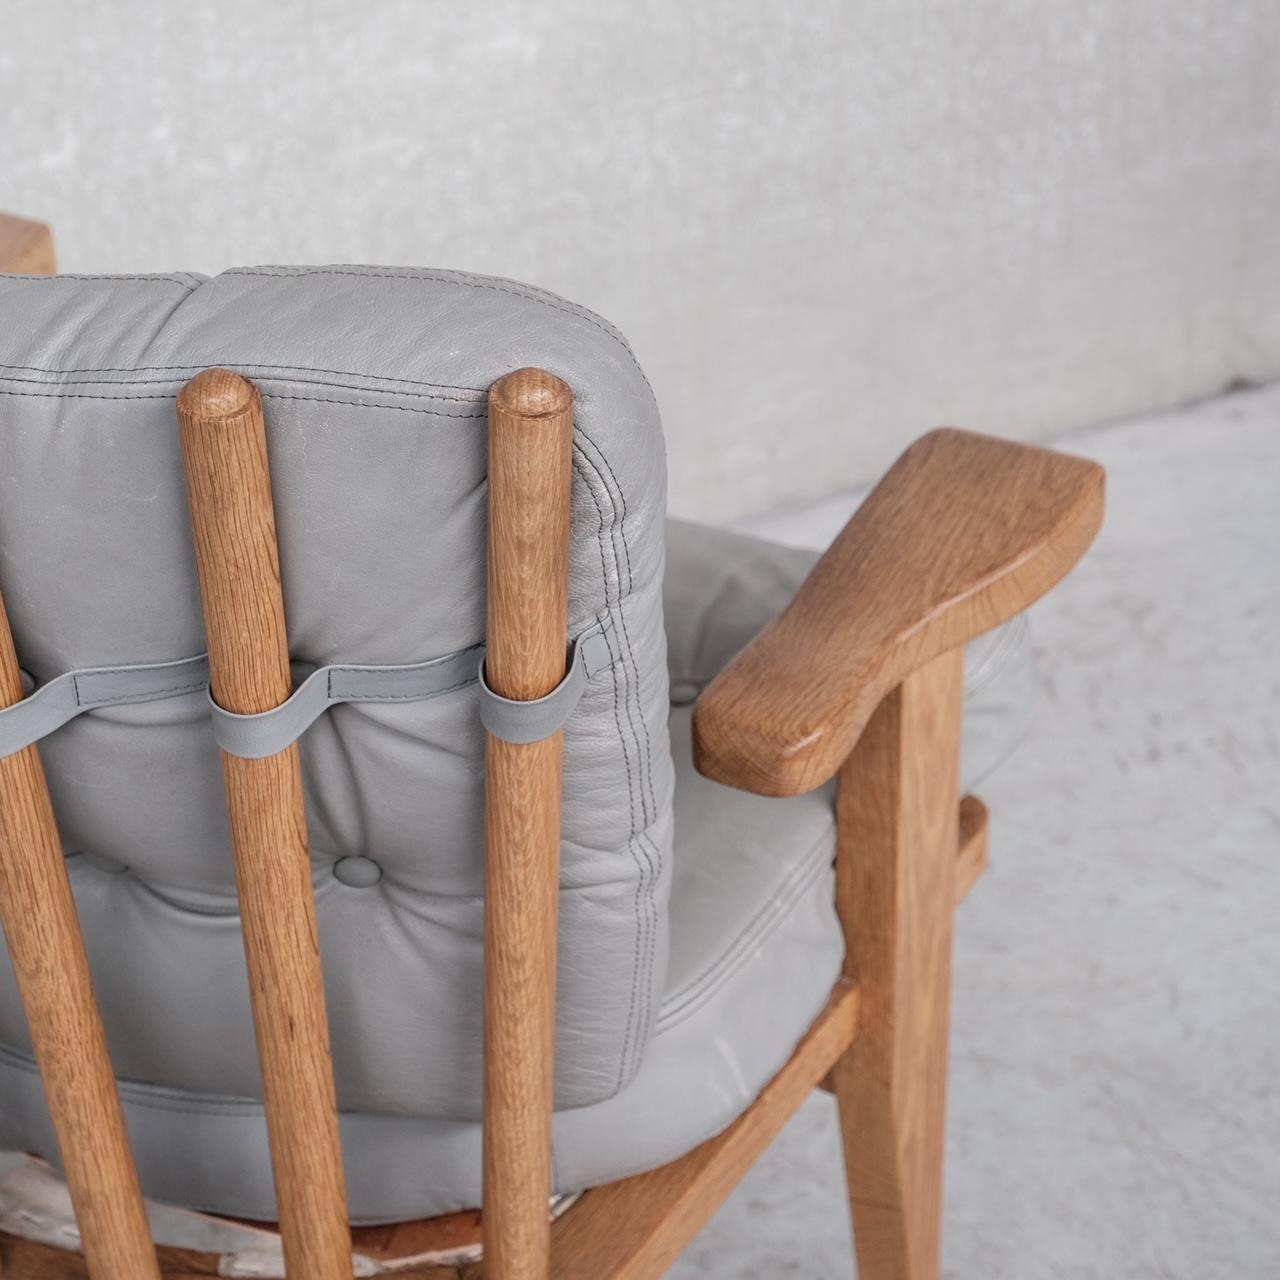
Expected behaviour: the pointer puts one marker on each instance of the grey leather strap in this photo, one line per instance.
(253, 737)
(62, 699)
(271, 731)
(532, 721)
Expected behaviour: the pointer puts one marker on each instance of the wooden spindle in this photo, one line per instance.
(530, 467)
(224, 446)
(42, 930)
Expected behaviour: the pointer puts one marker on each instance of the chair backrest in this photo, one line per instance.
(374, 384)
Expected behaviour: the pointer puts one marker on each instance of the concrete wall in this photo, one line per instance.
(825, 226)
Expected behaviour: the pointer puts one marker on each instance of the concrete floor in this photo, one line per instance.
(1115, 1107)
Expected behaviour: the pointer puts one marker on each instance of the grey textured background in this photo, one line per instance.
(825, 226)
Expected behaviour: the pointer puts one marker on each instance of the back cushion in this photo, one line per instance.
(374, 384)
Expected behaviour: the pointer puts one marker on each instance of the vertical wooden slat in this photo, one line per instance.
(46, 946)
(224, 446)
(898, 827)
(530, 462)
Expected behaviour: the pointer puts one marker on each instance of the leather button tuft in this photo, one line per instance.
(357, 873)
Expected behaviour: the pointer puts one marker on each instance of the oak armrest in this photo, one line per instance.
(964, 532)
(26, 247)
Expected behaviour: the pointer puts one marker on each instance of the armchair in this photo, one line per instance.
(353, 864)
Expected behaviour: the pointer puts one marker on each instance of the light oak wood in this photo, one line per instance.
(448, 1233)
(225, 452)
(22, 1259)
(42, 931)
(26, 247)
(637, 1228)
(963, 533)
(530, 469)
(897, 832)
(971, 861)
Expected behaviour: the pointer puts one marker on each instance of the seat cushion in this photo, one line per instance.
(755, 949)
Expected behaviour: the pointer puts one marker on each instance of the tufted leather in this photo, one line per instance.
(374, 383)
(685, 980)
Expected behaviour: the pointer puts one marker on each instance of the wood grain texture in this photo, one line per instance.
(228, 481)
(897, 830)
(530, 469)
(971, 861)
(26, 247)
(42, 930)
(963, 533)
(637, 1228)
(22, 1259)
(393, 1241)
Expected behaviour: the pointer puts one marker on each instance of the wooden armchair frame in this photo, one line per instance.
(860, 679)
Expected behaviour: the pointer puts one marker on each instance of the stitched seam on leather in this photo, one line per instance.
(365, 404)
(116, 671)
(402, 697)
(639, 852)
(245, 364)
(79, 395)
(626, 548)
(190, 285)
(777, 904)
(691, 996)
(638, 951)
(645, 1023)
(541, 297)
(266, 395)
(646, 915)
(649, 809)
(622, 498)
(645, 890)
(548, 300)
(645, 767)
(429, 393)
(139, 698)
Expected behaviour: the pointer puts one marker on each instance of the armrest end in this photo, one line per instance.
(964, 532)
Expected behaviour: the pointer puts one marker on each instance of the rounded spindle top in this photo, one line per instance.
(531, 393)
(216, 393)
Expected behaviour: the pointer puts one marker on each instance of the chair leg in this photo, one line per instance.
(897, 819)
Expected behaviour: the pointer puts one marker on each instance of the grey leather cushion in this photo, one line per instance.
(374, 387)
(755, 949)
(374, 383)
